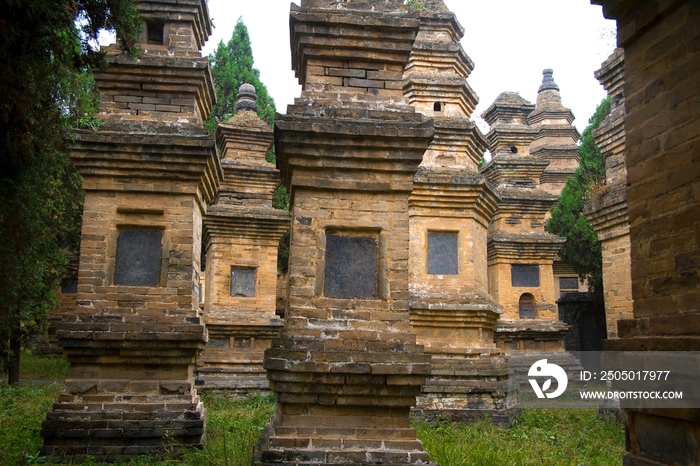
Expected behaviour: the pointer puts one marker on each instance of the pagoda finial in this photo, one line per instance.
(548, 81)
(247, 98)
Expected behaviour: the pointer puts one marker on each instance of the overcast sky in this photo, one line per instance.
(509, 41)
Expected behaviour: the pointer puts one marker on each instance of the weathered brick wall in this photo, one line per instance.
(662, 88)
(471, 257)
(349, 76)
(663, 155)
(220, 306)
(175, 215)
(509, 296)
(315, 214)
(617, 289)
(607, 210)
(561, 270)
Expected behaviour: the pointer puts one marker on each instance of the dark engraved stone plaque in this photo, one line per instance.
(241, 342)
(351, 267)
(218, 343)
(243, 282)
(138, 259)
(69, 285)
(442, 254)
(568, 283)
(525, 275)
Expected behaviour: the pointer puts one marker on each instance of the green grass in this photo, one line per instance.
(560, 437)
(233, 426)
(566, 437)
(42, 368)
(22, 408)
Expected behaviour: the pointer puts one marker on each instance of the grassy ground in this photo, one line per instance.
(560, 437)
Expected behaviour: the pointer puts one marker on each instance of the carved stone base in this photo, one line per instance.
(130, 390)
(121, 427)
(468, 389)
(232, 362)
(344, 399)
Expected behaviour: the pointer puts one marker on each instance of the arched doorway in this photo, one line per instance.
(526, 306)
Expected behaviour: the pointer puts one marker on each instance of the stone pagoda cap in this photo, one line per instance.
(508, 105)
(548, 81)
(512, 99)
(549, 102)
(245, 137)
(434, 5)
(436, 15)
(246, 98)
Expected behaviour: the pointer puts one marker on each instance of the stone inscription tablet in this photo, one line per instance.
(243, 282)
(351, 267)
(69, 285)
(442, 254)
(525, 275)
(568, 283)
(138, 258)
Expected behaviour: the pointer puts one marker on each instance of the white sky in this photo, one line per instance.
(509, 41)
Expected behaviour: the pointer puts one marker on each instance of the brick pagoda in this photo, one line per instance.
(149, 174)
(450, 208)
(346, 368)
(520, 251)
(242, 232)
(607, 211)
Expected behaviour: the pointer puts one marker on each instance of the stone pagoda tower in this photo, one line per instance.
(607, 212)
(346, 368)
(555, 142)
(556, 137)
(242, 232)
(520, 251)
(450, 208)
(149, 174)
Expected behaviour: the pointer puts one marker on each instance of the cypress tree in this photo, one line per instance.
(232, 65)
(44, 77)
(582, 250)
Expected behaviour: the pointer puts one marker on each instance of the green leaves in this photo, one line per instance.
(582, 250)
(46, 87)
(232, 65)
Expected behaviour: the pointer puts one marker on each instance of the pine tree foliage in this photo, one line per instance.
(44, 90)
(232, 65)
(582, 250)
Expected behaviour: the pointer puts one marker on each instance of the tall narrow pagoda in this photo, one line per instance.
(450, 207)
(149, 174)
(346, 368)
